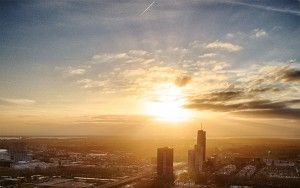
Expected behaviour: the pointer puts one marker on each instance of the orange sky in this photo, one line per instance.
(112, 68)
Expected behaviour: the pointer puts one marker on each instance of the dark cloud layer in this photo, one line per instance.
(224, 95)
(254, 98)
(227, 101)
(292, 75)
(266, 89)
(283, 113)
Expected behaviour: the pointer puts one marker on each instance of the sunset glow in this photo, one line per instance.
(167, 105)
(111, 67)
(150, 94)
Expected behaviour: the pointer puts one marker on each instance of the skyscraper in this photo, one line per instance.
(191, 161)
(196, 157)
(165, 163)
(201, 141)
(16, 149)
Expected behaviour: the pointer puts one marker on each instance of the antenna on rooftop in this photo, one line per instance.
(201, 125)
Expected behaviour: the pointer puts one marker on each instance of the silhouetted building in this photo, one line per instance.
(165, 163)
(191, 161)
(4, 154)
(201, 142)
(199, 160)
(17, 150)
(4, 158)
(196, 157)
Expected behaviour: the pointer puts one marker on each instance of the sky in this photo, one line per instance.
(147, 68)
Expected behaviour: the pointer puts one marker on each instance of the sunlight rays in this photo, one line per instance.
(166, 104)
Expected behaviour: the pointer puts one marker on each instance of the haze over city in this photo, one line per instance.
(150, 94)
(144, 68)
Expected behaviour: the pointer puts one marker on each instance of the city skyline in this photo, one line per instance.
(147, 68)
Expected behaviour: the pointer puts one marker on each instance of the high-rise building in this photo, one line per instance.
(165, 163)
(201, 142)
(191, 161)
(196, 157)
(4, 158)
(17, 150)
(199, 160)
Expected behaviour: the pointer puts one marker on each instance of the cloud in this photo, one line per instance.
(210, 83)
(257, 108)
(253, 34)
(291, 75)
(137, 71)
(260, 91)
(281, 113)
(17, 101)
(266, 89)
(222, 95)
(279, 73)
(73, 71)
(107, 58)
(182, 80)
(196, 44)
(133, 71)
(131, 56)
(208, 55)
(229, 35)
(259, 33)
(90, 84)
(224, 46)
(77, 71)
(116, 119)
(238, 34)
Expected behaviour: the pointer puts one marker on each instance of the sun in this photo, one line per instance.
(166, 104)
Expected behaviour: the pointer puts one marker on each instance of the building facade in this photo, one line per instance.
(197, 156)
(165, 163)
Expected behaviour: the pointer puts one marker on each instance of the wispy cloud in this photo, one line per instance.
(77, 71)
(224, 46)
(259, 33)
(210, 83)
(260, 92)
(253, 34)
(91, 84)
(208, 55)
(17, 101)
(227, 102)
(73, 71)
(113, 120)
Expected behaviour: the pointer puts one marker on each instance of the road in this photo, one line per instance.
(127, 180)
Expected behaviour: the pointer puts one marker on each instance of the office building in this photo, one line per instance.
(165, 163)
(199, 160)
(4, 158)
(201, 142)
(191, 161)
(16, 148)
(197, 156)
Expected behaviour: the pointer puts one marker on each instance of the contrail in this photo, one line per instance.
(147, 9)
(286, 11)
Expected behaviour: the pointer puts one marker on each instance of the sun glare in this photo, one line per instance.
(166, 104)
